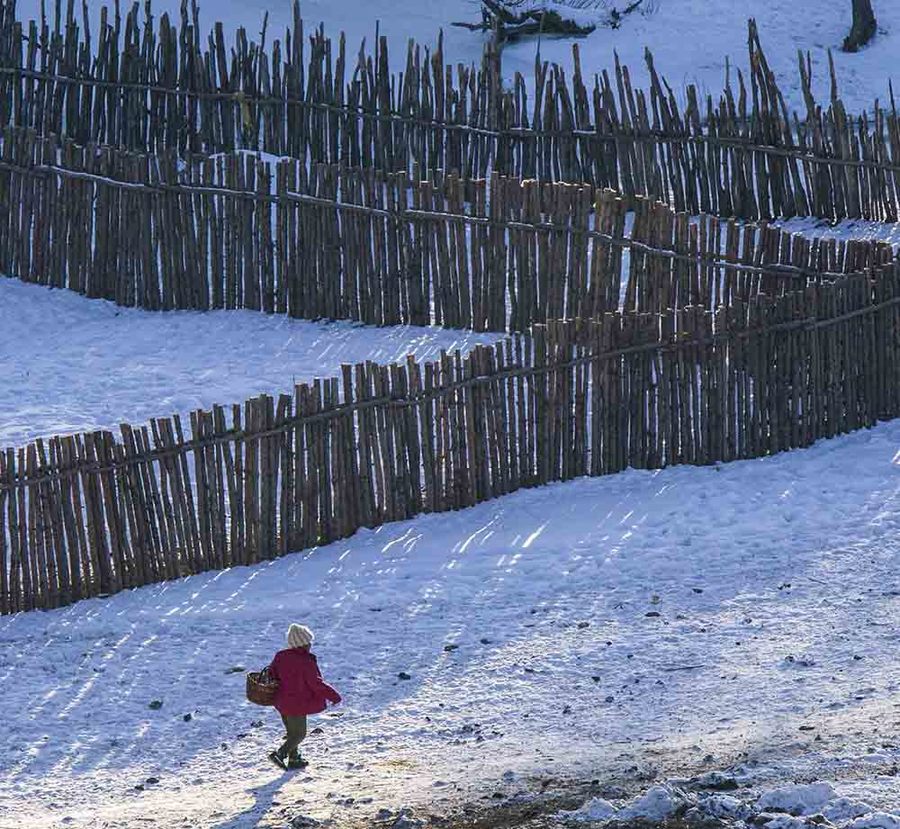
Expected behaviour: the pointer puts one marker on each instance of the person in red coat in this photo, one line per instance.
(301, 692)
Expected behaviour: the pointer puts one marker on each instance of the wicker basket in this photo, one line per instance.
(261, 687)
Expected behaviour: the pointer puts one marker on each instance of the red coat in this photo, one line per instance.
(301, 689)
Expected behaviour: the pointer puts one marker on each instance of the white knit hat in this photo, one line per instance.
(300, 636)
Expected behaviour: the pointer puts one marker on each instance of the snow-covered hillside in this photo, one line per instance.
(72, 364)
(640, 627)
(642, 620)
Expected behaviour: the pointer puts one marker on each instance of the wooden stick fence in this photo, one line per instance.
(324, 241)
(92, 514)
(689, 340)
(152, 87)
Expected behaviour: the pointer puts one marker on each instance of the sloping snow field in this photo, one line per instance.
(643, 626)
(643, 619)
(71, 364)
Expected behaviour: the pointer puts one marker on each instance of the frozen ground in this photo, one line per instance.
(690, 39)
(648, 620)
(773, 654)
(751, 799)
(71, 364)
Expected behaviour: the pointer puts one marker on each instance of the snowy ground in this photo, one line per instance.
(846, 229)
(748, 800)
(71, 364)
(644, 619)
(776, 582)
(690, 39)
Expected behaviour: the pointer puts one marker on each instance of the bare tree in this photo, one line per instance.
(863, 28)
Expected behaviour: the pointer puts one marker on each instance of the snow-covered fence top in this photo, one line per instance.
(155, 86)
(92, 514)
(237, 231)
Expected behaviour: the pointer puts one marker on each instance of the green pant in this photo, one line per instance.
(296, 731)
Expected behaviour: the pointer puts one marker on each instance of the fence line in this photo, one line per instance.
(343, 409)
(686, 340)
(150, 86)
(91, 514)
(324, 241)
(652, 136)
(711, 257)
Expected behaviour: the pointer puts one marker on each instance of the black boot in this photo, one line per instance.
(295, 761)
(278, 760)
